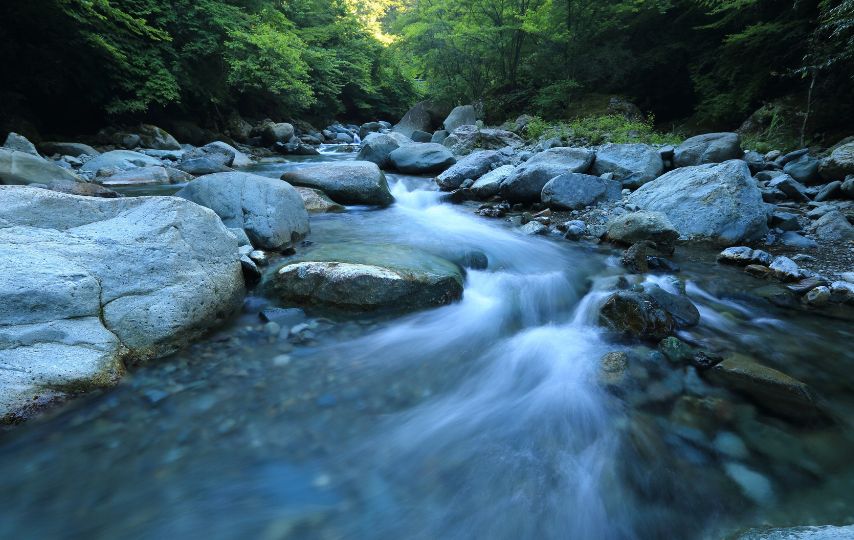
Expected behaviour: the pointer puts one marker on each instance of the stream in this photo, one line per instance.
(481, 419)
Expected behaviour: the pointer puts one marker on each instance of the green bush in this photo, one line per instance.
(595, 130)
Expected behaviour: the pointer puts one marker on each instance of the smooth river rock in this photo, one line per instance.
(421, 158)
(317, 202)
(708, 148)
(636, 164)
(24, 168)
(270, 211)
(718, 202)
(356, 277)
(466, 139)
(90, 284)
(525, 184)
(473, 166)
(574, 191)
(350, 182)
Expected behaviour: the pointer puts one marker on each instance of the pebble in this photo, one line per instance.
(282, 360)
(820, 296)
(785, 269)
(754, 485)
(730, 445)
(272, 328)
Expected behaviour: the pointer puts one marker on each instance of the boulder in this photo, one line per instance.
(719, 202)
(834, 227)
(638, 162)
(156, 138)
(574, 191)
(793, 189)
(473, 166)
(23, 168)
(744, 256)
(377, 147)
(708, 148)
(680, 308)
(273, 132)
(237, 158)
(423, 116)
(421, 158)
(136, 176)
(19, 143)
(832, 190)
(356, 277)
(772, 389)
(636, 315)
(369, 127)
(804, 169)
(439, 136)
(207, 164)
(73, 317)
(488, 185)
(346, 182)
(526, 182)
(464, 115)
(466, 139)
(68, 149)
(847, 187)
(635, 227)
(119, 160)
(237, 128)
(839, 164)
(316, 201)
(270, 211)
(421, 136)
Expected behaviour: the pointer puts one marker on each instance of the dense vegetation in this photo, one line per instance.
(719, 58)
(712, 62)
(86, 60)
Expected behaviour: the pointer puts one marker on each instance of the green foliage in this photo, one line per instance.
(201, 57)
(596, 130)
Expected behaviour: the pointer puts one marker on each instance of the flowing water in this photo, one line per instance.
(482, 419)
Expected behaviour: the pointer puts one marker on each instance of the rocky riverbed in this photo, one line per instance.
(366, 335)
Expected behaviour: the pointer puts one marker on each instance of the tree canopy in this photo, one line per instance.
(714, 61)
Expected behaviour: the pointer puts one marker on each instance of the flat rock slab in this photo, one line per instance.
(361, 277)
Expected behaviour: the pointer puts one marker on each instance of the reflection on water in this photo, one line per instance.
(481, 419)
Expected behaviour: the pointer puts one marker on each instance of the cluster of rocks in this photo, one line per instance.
(73, 321)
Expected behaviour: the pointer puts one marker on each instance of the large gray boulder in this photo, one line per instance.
(238, 158)
(466, 139)
(24, 168)
(839, 164)
(718, 202)
(423, 116)
(157, 138)
(273, 132)
(708, 148)
(89, 285)
(356, 277)
(270, 211)
(119, 160)
(526, 182)
(489, 184)
(377, 147)
(421, 158)
(473, 166)
(350, 182)
(67, 149)
(464, 115)
(636, 164)
(574, 191)
(833, 227)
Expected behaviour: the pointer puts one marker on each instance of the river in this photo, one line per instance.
(481, 419)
